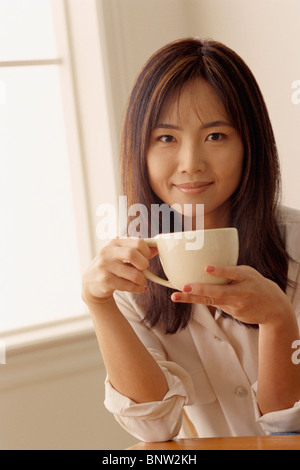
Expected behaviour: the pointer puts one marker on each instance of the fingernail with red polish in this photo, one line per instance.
(187, 289)
(210, 269)
(176, 297)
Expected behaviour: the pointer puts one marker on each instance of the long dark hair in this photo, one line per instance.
(254, 204)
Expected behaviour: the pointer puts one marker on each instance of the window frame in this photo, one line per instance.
(91, 184)
(88, 114)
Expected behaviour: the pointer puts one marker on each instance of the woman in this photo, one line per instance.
(211, 360)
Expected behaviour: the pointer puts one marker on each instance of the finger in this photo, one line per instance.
(194, 299)
(114, 282)
(207, 290)
(128, 273)
(136, 243)
(232, 273)
(208, 294)
(130, 255)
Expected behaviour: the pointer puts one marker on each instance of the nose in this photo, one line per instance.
(191, 158)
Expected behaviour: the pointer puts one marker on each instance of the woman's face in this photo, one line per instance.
(195, 155)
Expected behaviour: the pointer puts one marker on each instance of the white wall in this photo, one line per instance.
(52, 391)
(266, 33)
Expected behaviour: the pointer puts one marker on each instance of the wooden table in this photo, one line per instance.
(291, 442)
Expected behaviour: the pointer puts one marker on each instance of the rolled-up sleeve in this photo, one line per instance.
(288, 420)
(151, 421)
(282, 421)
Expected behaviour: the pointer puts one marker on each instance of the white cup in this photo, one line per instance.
(184, 255)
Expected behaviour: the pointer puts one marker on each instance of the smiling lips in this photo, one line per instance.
(193, 188)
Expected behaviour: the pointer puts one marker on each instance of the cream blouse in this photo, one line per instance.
(211, 368)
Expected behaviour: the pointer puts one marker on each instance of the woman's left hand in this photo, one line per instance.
(248, 297)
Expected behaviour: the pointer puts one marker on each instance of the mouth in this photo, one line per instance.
(193, 188)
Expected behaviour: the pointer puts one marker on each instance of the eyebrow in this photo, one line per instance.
(205, 126)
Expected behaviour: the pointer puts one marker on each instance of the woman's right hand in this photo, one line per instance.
(118, 266)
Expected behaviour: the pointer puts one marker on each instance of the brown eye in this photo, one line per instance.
(215, 137)
(166, 139)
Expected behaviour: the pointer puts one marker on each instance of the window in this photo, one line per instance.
(40, 272)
